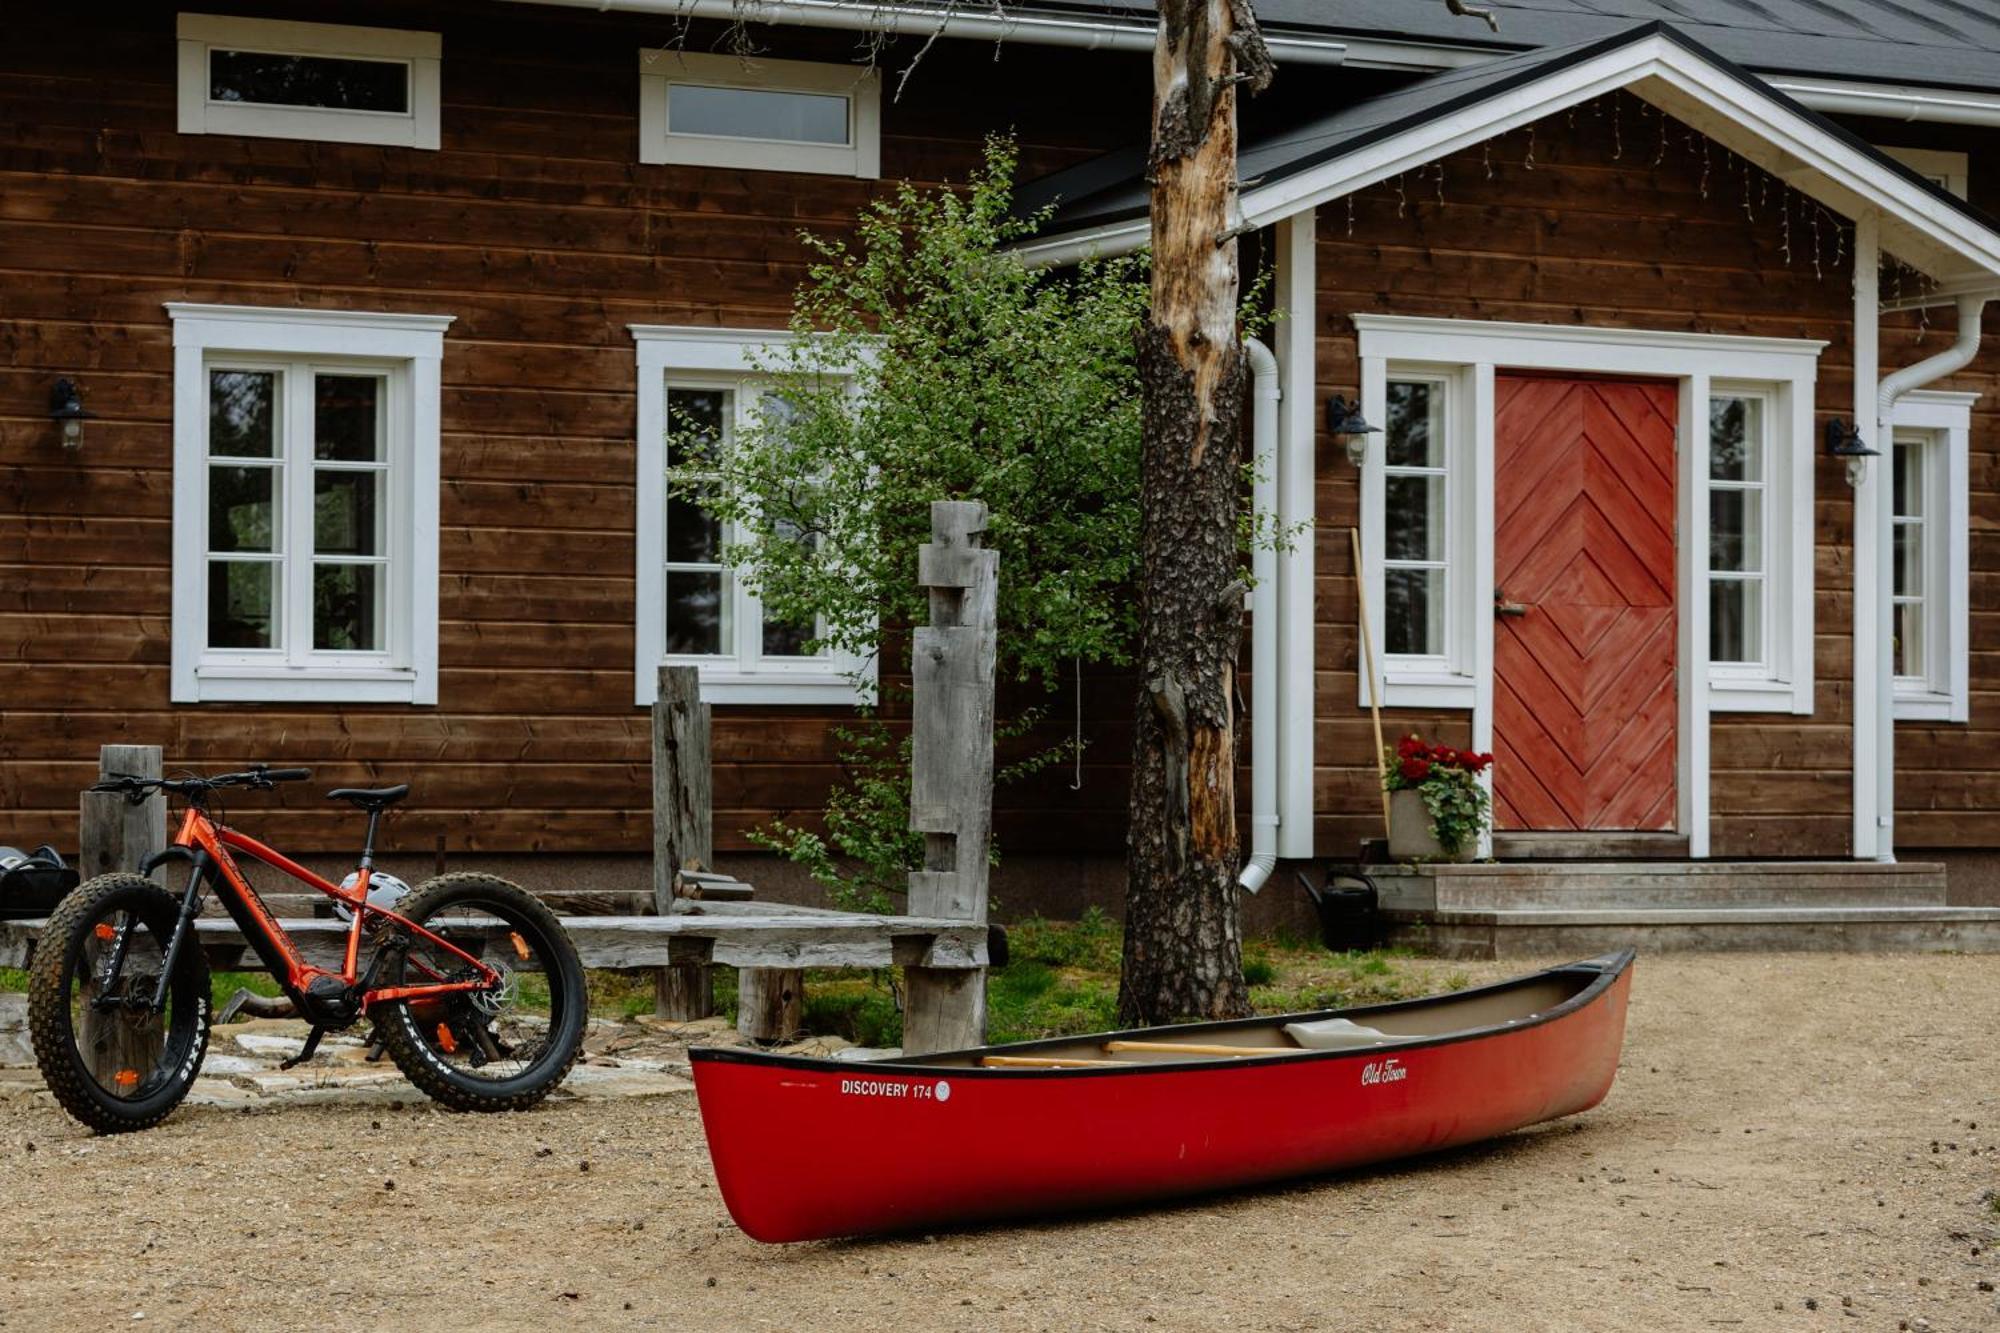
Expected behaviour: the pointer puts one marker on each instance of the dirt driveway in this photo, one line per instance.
(1794, 1142)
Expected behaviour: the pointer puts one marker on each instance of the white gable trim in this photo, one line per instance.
(1919, 228)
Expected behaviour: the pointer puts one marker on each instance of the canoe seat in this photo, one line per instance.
(1332, 1034)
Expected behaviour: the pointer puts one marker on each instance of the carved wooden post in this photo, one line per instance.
(951, 771)
(112, 833)
(683, 822)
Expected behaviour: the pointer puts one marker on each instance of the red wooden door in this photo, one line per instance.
(1583, 677)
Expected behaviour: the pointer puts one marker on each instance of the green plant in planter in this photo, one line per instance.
(1448, 781)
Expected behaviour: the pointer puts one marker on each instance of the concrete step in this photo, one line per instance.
(1632, 886)
(1523, 845)
(1549, 933)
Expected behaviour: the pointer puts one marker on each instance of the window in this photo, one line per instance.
(283, 80)
(1418, 491)
(1951, 172)
(773, 115)
(697, 387)
(1759, 574)
(1929, 582)
(1416, 566)
(305, 505)
(1738, 516)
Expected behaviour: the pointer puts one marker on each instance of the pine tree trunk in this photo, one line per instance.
(1183, 942)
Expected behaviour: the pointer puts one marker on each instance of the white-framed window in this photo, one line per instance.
(305, 505)
(702, 385)
(277, 79)
(1739, 517)
(1930, 581)
(1951, 172)
(771, 115)
(1425, 547)
(1759, 567)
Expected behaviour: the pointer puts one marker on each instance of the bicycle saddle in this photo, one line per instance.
(370, 798)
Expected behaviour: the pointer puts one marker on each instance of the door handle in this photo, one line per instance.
(1503, 607)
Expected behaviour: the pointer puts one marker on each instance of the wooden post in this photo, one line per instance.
(951, 772)
(112, 833)
(683, 822)
(770, 1002)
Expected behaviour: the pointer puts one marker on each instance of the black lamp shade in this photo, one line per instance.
(65, 403)
(1843, 441)
(1344, 419)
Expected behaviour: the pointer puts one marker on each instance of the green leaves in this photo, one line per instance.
(931, 364)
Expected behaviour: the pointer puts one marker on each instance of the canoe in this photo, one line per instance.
(806, 1149)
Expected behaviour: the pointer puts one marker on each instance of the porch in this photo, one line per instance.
(1549, 907)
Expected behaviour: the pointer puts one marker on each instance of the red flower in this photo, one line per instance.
(1409, 748)
(1416, 769)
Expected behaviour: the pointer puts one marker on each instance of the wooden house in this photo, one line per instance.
(376, 310)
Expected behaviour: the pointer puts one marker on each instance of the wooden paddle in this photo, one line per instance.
(1368, 665)
(1199, 1048)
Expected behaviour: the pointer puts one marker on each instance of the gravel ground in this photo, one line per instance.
(1793, 1142)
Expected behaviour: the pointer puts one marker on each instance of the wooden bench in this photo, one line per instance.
(743, 935)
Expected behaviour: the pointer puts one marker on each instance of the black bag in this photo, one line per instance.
(32, 883)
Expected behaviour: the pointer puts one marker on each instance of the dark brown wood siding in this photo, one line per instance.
(1616, 224)
(537, 228)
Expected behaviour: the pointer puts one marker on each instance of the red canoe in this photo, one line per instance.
(806, 1149)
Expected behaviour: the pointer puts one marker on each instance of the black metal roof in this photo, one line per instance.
(1112, 188)
(1940, 43)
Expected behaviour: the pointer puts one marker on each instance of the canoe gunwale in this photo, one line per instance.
(1607, 967)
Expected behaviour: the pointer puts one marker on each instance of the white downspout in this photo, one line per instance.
(1971, 330)
(1263, 619)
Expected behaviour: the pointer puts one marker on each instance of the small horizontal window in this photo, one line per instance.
(767, 115)
(274, 79)
(749, 113)
(318, 81)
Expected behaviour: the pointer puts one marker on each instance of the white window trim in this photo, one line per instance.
(1782, 681)
(1951, 170)
(862, 88)
(705, 356)
(1440, 680)
(421, 51)
(412, 344)
(1696, 360)
(1947, 418)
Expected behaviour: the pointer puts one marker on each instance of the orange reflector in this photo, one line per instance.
(445, 1040)
(106, 931)
(520, 945)
(126, 1078)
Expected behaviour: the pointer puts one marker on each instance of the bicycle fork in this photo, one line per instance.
(183, 925)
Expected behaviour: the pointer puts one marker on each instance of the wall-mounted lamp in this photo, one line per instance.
(67, 411)
(1347, 426)
(1844, 441)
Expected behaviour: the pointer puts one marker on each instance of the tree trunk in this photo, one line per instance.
(1183, 944)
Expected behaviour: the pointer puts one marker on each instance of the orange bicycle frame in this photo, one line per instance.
(200, 833)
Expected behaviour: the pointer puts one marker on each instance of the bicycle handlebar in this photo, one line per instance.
(256, 776)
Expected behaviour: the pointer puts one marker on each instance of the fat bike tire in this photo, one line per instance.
(419, 1034)
(61, 982)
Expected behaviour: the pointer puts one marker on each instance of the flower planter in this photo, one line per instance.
(1410, 836)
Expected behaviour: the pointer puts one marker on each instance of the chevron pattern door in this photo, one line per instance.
(1584, 629)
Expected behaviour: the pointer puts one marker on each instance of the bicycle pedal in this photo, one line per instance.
(307, 1051)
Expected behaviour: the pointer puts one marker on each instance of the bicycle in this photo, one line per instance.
(473, 987)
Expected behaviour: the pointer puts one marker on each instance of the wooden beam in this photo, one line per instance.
(683, 824)
(834, 939)
(112, 833)
(1048, 1062)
